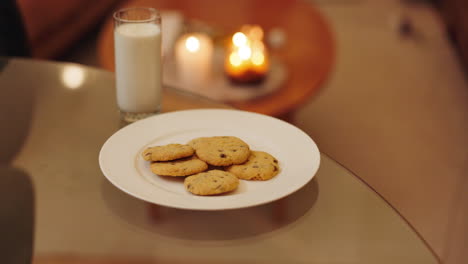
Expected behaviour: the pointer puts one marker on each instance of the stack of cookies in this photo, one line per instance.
(213, 165)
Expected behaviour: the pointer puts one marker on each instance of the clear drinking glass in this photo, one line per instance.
(138, 62)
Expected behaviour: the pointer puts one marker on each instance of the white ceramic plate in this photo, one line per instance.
(121, 162)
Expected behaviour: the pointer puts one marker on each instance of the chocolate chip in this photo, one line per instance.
(275, 169)
(222, 155)
(233, 150)
(215, 181)
(275, 161)
(189, 186)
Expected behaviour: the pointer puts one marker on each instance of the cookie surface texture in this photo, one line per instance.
(167, 152)
(221, 151)
(180, 167)
(211, 182)
(260, 166)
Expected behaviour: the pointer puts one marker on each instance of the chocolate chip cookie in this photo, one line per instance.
(167, 152)
(211, 182)
(180, 167)
(221, 151)
(260, 166)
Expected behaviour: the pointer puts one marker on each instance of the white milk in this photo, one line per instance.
(138, 67)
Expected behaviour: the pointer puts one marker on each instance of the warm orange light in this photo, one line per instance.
(246, 59)
(258, 46)
(239, 39)
(192, 44)
(245, 52)
(234, 59)
(256, 33)
(258, 58)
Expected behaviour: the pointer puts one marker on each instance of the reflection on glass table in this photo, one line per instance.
(53, 129)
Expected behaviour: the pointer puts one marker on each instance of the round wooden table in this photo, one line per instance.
(308, 53)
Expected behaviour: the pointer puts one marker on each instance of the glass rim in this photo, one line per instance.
(154, 15)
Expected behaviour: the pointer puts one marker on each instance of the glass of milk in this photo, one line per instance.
(138, 62)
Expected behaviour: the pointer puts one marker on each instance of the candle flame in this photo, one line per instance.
(247, 56)
(192, 44)
(258, 46)
(234, 59)
(258, 58)
(239, 39)
(256, 33)
(245, 52)
(73, 77)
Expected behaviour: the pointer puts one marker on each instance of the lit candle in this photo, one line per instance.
(246, 59)
(194, 54)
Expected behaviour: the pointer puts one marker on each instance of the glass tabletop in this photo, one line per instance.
(55, 118)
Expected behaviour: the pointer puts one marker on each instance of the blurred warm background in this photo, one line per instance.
(392, 105)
